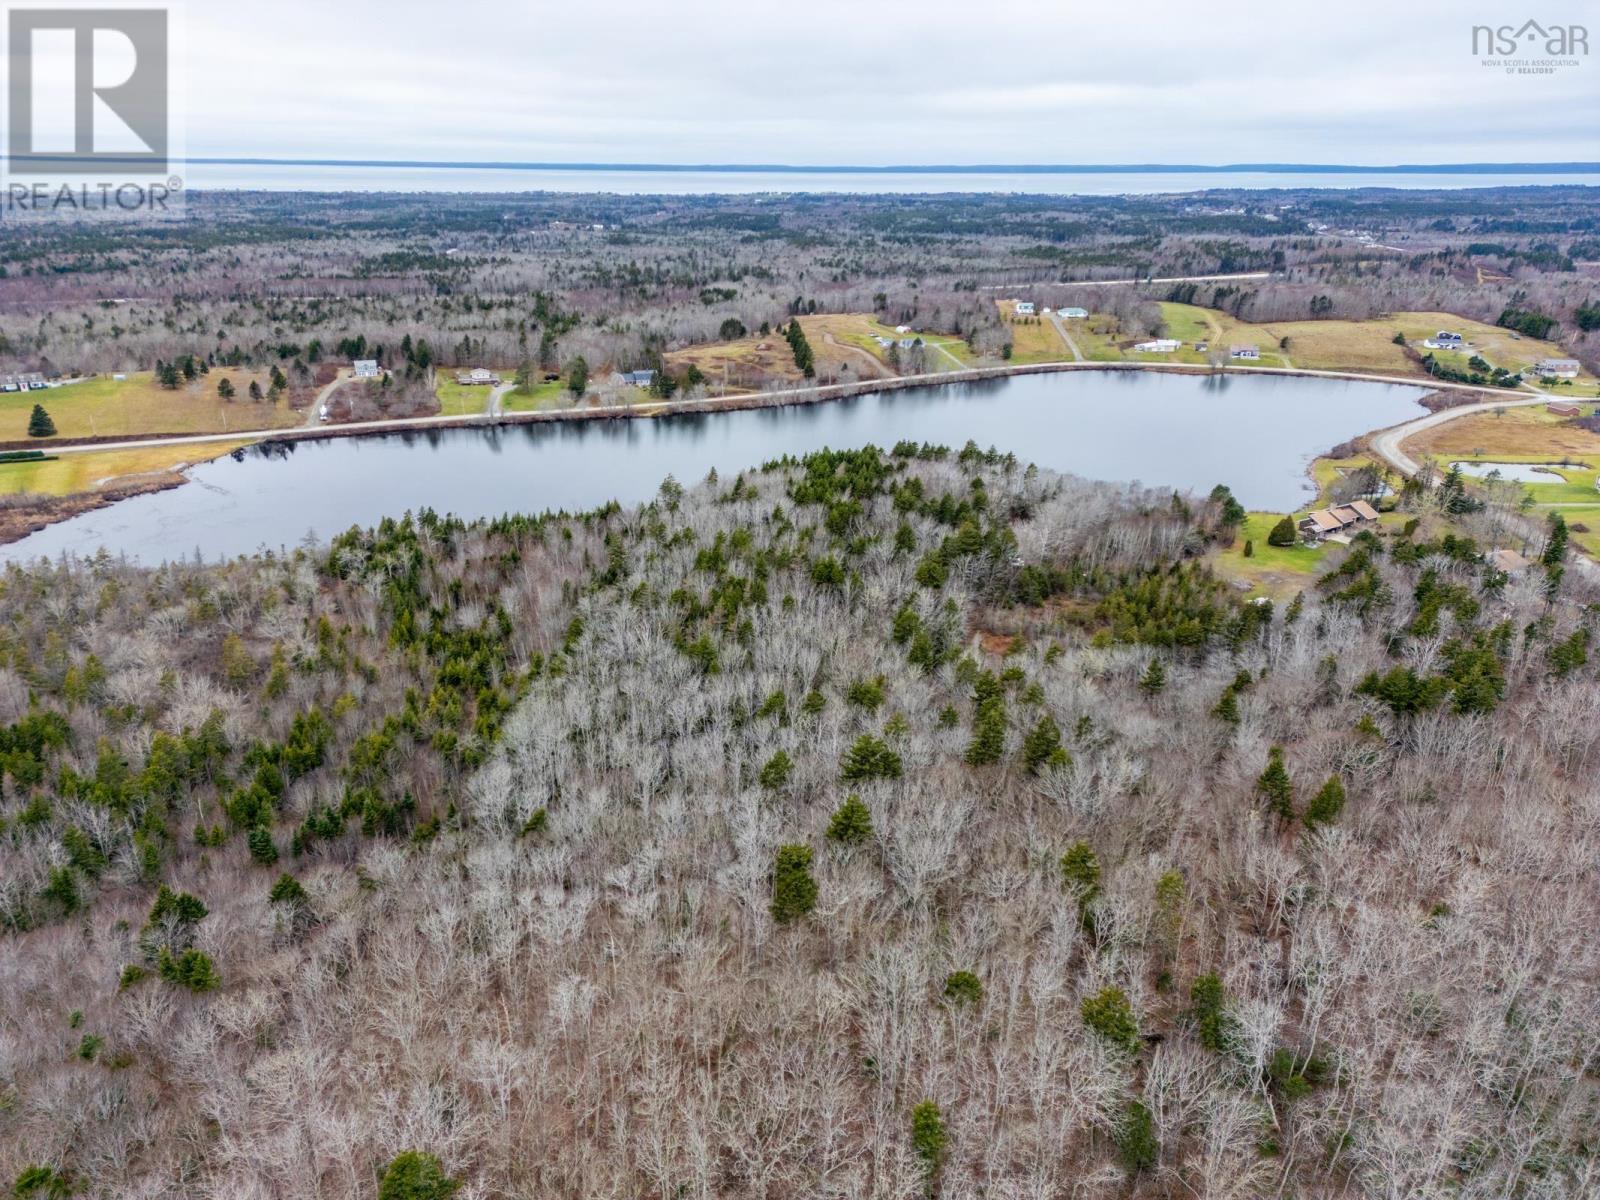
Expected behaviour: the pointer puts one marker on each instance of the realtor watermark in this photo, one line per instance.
(1531, 47)
(93, 124)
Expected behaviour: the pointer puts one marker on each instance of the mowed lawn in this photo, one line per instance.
(1273, 570)
(460, 399)
(92, 469)
(554, 394)
(105, 407)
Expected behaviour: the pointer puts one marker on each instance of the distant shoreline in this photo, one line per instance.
(1482, 168)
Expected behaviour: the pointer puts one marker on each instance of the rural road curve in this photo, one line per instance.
(1386, 443)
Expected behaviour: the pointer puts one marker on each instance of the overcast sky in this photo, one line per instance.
(827, 81)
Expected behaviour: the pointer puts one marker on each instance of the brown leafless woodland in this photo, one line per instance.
(598, 1002)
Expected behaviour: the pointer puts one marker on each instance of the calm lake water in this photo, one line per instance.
(1254, 433)
(356, 177)
(1520, 472)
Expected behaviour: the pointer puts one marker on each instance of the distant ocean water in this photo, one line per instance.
(356, 177)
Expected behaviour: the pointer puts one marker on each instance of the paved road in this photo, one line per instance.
(1387, 443)
(1006, 287)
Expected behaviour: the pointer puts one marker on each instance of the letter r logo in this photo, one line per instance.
(87, 86)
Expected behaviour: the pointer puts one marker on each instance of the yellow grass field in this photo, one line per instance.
(105, 407)
(1514, 432)
(93, 469)
(1035, 339)
(843, 344)
(1364, 345)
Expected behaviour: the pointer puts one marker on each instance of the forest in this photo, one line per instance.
(260, 279)
(897, 823)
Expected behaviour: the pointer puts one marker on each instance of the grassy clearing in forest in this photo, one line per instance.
(106, 407)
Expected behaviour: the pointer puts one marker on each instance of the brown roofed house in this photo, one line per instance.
(1321, 522)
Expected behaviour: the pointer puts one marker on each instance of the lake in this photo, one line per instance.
(1255, 433)
(1518, 472)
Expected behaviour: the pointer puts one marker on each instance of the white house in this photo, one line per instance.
(1558, 368)
(477, 376)
(366, 368)
(1445, 340)
(1024, 308)
(1250, 352)
(1074, 314)
(1159, 346)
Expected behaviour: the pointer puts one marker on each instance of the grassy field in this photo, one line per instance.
(540, 396)
(1035, 339)
(104, 407)
(1360, 345)
(1583, 524)
(85, 472)
(1532, 433)
(942, 352)
(850, 339)
(1272, 570)
(1037, 342)
(843, 344)
(460, 399)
